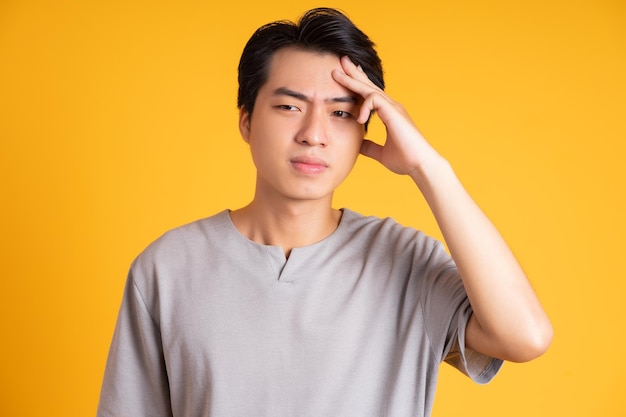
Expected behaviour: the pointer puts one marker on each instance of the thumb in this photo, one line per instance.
(371, 149)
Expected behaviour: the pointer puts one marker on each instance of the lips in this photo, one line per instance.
(309, 165)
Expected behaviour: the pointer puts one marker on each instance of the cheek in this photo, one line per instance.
(350, 149)
(265, 148)
(355, 139)
(261, 153)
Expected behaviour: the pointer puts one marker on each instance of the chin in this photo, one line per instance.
(311, 195)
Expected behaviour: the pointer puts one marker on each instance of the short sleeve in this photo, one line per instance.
(135, 380)
(447, 311)
(479, 367)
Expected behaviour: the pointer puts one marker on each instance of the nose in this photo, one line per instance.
(313, 130)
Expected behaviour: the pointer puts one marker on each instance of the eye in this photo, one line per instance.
(287, 107)
(342, 114)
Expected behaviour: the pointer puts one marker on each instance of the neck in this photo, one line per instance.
(288, 225)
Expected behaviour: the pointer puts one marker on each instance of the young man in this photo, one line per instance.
(288, 307)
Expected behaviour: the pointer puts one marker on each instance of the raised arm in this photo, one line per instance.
(508, 321)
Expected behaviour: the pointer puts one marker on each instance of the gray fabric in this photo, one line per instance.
(213, 324)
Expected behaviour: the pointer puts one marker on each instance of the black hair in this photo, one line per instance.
(322, 30)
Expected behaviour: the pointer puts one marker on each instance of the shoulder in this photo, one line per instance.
(185, 241)
(385, 231)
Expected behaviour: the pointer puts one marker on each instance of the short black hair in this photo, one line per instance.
(322, 30)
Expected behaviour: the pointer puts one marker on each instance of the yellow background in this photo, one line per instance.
(118, 121)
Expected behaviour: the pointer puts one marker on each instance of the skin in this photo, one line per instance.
(292, 203)
(304, 139)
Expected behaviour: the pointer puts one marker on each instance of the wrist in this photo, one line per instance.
(428, 174)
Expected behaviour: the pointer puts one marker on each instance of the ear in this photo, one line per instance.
(244, 124)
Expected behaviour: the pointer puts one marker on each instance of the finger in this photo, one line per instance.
(355, 79)
(353, 70)
(371, 96)
(367, 110)
(371, 149)
(352, 83)
(356, 71)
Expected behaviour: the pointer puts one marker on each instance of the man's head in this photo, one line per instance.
(318, 30)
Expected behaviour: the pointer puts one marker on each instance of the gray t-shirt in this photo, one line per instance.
(213, 324)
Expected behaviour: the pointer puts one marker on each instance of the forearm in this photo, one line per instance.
(508, 320)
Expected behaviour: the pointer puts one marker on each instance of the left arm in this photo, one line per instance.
(508, 321)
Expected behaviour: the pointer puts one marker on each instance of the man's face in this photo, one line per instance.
(303, 133)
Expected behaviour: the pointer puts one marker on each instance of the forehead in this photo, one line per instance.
(305, 71)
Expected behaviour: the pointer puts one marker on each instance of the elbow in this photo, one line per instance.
(533, 344)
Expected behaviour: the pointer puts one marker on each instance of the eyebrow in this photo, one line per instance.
(284, 91)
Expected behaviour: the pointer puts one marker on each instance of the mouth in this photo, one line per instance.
(308, 165)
